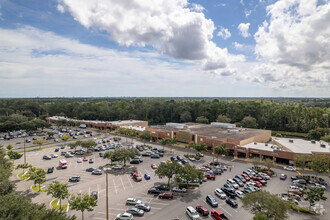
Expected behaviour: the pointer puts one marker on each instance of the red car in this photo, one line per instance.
(210, 176)
(218, 215)
(137, 177)
(85, 159)
(246, 177)
(257, 183)
(295, 192)
(256, 178)
(153, 166)
(202, 210)
(166, 195)
(207, 166)
(263, 182)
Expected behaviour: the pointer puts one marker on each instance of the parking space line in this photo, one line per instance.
(227, 211)
(98, 188)
(115, 185)
(129, 181)
(122, 183)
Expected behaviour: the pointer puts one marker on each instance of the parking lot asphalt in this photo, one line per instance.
(122, 186)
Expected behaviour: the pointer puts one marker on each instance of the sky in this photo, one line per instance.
(164, 48)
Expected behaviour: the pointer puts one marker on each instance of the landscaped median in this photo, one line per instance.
(36, 188)
(22, 176)
(56, 205)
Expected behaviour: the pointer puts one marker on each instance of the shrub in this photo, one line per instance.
(183, 185)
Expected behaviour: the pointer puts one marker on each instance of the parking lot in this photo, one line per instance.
(122, 186)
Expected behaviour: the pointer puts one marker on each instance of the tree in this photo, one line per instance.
(326, 138)
(260, 216)
(24, 166)
(146, 136)
(87, 144)
(249, 122)
(301, 160)
(164, 142)
(190, 173)
(223, 119)
(201, 146)
(82, 202)
(9, 147)
(168, 169)
(40, 142)
(255, 161)
(38, 175)
(121, 154)
(14, 155)
(185, 117)
(317, 133)
(66, 137)
(58, 190)
(202, 120)
(320, 163)
(266, 203)
(313, 194)
(269, 163)
(221, 150)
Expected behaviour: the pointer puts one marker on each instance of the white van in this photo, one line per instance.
(192, 213)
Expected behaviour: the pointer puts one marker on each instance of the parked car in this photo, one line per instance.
(239, 194)
(95, 194)
(134, 161)
(209, 176)
(218, 215)
(57, 149)
(74, 179)
(124, 216)
(91, 160)
(211, 200)
(295, 192)
(166, 195)
(162, 187)
(154, 190)
(232, 203)
(91, 169)
(290, 168)
(97, 172)
(283, 176)
(245, 176)
(143, 207)
(239, 182)
(241, 178)
(201, 209)
(233, 183)
(46, 157)
(135, 211)
(137, 177)
(147, 176)
(179, 190)
(50, 169)
(132, 201)
(79, 160)
(199, 154)
(220, 193)
(192, 213)
(85, 159)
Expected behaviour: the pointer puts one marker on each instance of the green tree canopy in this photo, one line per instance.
(58, 190)
(146, 135)
(185, 117)
(190, 173)
(269, 163)
(202, 120)
(169, 170)
(223, 119)
(301, 160)
(320, 163)
(82, 202)
(121, 154)
(313, 194)
(221, 150)
(249, 122)
(38, 175)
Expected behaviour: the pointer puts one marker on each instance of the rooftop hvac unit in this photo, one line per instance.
(233, 131)
(322, 145)
(222, 125)
(291, 141)
(313, 142)
(176, 125)
(266, 144)
(255, 143)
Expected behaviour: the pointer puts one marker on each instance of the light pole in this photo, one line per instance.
(24, 152)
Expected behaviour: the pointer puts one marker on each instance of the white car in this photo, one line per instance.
(132, 201)
(177, 189)
(124, 216)
(239, 194)
(79, 160)
(53, 155)
(233, 183)
(220, 193)
(290, 168)
(192, 159)
(192, 213)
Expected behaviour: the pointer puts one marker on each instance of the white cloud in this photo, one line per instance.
(242, 2)
(238, 46)
(244, 29)
(221, 5)
(60, 8)
(197, 7)
(169, 26)
(247, 13)
(224, 33)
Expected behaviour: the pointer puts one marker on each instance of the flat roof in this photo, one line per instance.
(95, 121)
(262, 146)
(138, 128)
(303, 146)
(207, 130)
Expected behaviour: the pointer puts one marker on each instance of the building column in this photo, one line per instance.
(235, 151)
(196, 139)
(247, 154)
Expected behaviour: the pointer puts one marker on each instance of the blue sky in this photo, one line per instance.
(176, 48)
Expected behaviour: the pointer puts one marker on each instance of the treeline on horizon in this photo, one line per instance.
(294, 115)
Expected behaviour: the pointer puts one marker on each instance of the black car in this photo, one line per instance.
(74, 179)
(211, 201)
(135, 161)
(174, 159)
(239, 182)
(229, 192)
(154, 190)
(161, 151)
(296, 177)
(57, 149)
(101, 154)
(232, 203)
(217, 171)
(215, 163)
(62, 147)
(146, 154)
(143, 207)
(241, 178)
(162, 187)
(184, 161)
(50, 169)
(91, 169)
(46, 157)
